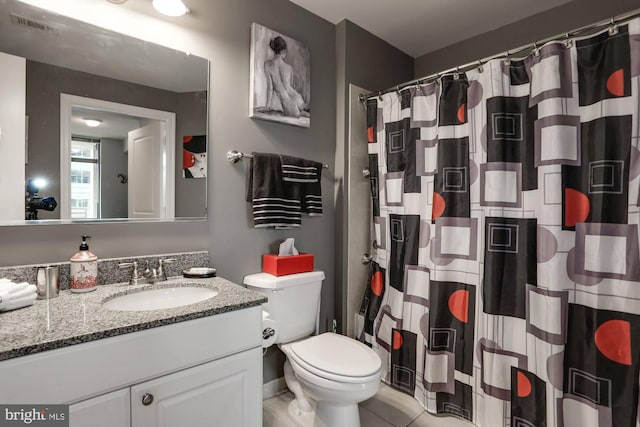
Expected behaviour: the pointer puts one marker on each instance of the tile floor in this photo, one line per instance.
(388, 408)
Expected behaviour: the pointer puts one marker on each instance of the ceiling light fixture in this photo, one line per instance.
(92, 123)
(170, 7)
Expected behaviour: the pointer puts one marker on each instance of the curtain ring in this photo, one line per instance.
(613, 29)
(380, 95)
(456, 75)
(507, 58)
(567, 41)
(480, 67)
(536, 51)
(398, 89)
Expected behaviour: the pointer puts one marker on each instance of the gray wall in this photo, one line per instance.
(367, 61)
(558, 20)
(236, 247)
(113, 193)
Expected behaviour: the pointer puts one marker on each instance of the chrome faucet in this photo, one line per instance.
(157, 274)
(149, 275)
(136, 277)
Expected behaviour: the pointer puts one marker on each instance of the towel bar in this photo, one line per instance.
(234, 156)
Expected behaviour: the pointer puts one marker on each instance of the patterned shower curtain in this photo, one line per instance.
(505, 287)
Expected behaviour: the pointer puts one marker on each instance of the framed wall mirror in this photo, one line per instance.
(96, 125)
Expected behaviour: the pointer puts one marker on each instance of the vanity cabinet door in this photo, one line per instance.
(225, 392)
(108, 410)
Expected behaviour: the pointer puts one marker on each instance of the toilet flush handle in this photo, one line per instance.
(268, 333)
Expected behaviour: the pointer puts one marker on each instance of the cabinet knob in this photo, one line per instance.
(147, 399)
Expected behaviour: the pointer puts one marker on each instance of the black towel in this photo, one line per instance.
(275, 203)
(308, 174)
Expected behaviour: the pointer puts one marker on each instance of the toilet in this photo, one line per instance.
(329, 374)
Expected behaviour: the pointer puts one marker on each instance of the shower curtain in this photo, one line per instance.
(505, 286)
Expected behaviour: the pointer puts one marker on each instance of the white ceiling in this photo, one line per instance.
(114, 125)
(421, 26)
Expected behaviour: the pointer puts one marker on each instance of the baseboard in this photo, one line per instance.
(273, 388)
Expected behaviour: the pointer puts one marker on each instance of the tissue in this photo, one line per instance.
(287, 248)
(287, 261)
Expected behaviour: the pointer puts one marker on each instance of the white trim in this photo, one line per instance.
(273, 388)
(68, 101)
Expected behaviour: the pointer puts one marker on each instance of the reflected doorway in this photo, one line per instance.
(116, 161)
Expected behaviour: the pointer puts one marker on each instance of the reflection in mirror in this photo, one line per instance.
(57, 72)
(101, 140)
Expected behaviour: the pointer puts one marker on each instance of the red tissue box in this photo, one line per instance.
(283, 265)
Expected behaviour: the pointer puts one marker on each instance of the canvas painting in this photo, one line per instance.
(194, 156)
(280, 78)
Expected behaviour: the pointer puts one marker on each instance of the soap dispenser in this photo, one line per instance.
(84, 269)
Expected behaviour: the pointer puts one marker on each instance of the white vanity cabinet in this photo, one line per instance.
(108, 410)
(218, 393)
(202, 372)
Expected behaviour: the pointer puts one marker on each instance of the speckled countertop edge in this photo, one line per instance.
(73, 318)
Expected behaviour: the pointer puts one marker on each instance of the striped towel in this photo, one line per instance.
(308, 174)
(275, 203)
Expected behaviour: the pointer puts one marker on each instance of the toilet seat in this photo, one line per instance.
(336, 358)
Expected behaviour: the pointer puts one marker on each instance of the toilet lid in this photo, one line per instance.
(337, 355)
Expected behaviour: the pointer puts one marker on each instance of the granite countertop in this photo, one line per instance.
(75, 318)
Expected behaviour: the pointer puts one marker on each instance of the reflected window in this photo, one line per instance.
(85, 177)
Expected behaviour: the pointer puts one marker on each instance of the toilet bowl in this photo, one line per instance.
(337, 373)
(329, 374)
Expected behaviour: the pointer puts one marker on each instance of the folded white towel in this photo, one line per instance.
(7, 290)
(28, 290)
(18, 303)
(7, 286)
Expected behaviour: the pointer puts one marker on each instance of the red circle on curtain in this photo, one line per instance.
(613, 339)
(524, 385)
(576, 207)
(376, 283)
(397, 340)
(615, 83)
(459, 305)
(462, 113)
(438, 206)
(370, 134)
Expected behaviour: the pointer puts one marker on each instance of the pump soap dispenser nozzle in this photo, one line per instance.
(84, 246)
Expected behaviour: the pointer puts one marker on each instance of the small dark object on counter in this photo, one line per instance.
(199, 272)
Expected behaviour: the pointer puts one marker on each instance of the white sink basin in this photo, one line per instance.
(158, 299)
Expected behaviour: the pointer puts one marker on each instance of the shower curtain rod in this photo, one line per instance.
(612, 23)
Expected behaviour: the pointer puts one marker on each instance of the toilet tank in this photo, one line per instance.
(294, 301)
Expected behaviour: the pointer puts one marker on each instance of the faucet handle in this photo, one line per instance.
(136, 277)
(161, 264)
